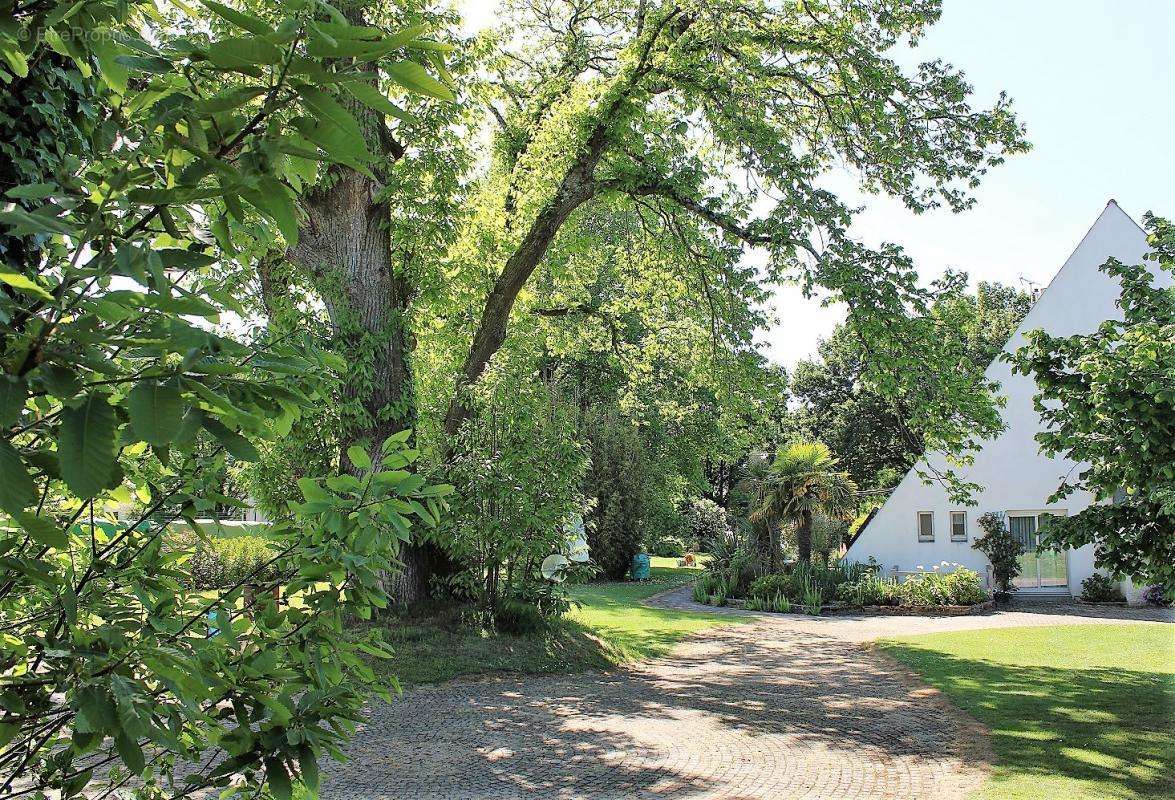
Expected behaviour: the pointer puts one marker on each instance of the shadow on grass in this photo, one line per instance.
(1109, 728)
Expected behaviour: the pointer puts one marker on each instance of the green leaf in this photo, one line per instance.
(107, 51)
(96, 711)
(275, 202)
(279, 779)
(239, 18)
(311, 490)
(374, 99)
(15, 57)
(156, 411)
(13, 394)
(359, 457)
(130, 753)
(237, 445)
(61, 382)
(22, 223)
(86, 446)
(327, 109)
(224, 625)
(242, 53)
(17, 489)
(405, 36)
(23, 284)
(228, 99)
(32, 191)
(150, 64)
(308, 767)
(414, 77)
(337, 143)
(44, 530)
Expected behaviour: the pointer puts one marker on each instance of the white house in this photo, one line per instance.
(919, 526)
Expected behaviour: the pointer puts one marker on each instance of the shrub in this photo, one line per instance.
(869, 590)
(962, 587)
(965, 587)
(521, 478)
(616, 480)
(669, 547)
(778, 603)
(706, 523)
(1156, 596)
(959, 588)
(1002, 550)
(745, 567)
(711, 588)
(813, 598)
(223, 563)
(1098, 588)
(827, 579)
(518, 617)
(777, 583)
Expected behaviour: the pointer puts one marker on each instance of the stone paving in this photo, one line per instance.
(781, 707)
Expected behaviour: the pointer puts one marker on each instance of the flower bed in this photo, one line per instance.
(804, 589)
(892, 611)
(913, 611)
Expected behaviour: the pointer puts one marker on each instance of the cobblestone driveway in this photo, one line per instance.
(782, 708)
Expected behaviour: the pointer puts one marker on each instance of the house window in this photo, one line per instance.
(958, 526)
(926, 526)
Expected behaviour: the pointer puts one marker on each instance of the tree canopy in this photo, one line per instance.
(872, 433)
(151, 158)
(336, 257)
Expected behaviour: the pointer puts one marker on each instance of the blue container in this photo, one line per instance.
(640, 567)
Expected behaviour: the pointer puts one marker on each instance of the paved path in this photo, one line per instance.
(781, 707)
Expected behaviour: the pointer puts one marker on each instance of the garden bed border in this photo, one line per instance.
(881, 611)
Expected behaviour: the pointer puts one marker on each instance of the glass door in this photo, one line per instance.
(1024, 529)
(1044, 570)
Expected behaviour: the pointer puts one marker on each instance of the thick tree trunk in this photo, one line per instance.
(804, 536)
(345, 245)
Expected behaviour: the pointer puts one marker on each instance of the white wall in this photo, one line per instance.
(1013, 474)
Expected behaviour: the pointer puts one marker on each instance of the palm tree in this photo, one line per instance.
(802, 481)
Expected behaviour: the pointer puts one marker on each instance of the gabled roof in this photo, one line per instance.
(1009, 467)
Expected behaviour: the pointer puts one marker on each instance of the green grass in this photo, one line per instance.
(612, 612)
(1075, 711)
(607, 629)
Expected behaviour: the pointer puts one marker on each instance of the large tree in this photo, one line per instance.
(370, 232)
(659, 103)
(670, 106)
(149, 158)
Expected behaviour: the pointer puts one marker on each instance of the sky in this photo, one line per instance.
(1093, 81)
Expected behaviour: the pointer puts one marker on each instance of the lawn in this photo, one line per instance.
(1075, 711)
(633, 632)
(607, 628)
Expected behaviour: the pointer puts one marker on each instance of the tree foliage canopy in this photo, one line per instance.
(150, 157)
(872, 433)
(654, 106)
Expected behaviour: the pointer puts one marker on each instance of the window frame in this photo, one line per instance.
(963, 536)
(918, 520)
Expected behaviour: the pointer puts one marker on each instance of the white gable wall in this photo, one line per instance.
(1014, 476)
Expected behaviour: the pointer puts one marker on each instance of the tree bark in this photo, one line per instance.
(344, 243)
(576, 187)
(804, 536)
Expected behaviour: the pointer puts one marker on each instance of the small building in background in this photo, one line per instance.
(919, 526)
